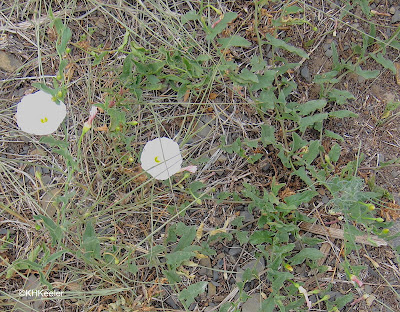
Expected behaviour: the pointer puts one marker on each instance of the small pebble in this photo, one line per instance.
(305, 73)
(392, 10)
(328, 53)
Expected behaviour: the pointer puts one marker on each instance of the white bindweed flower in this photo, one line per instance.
(161, 158)
(37, 113)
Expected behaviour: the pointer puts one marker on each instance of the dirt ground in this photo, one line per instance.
(376, 137)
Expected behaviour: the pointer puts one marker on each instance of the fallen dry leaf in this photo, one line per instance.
(397, 72)
(101, 128)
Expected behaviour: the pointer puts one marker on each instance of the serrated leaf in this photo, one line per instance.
(306, 253)
(188, 295)
(311, 120)
(342, 114)
(282, 44)
(234, 41)
(227, 18)
(311, 106)
(388, 64)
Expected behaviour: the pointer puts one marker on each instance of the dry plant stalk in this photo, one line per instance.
(339, 233)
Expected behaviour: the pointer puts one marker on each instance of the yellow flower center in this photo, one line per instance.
(44, 120)
(157, 160)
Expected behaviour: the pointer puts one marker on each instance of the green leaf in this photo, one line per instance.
(364, 4)
(90, 242)
(260, 237)
(172, 276)
(334, 135)
(53, 257)
(257, 63)
(242, 237)
(65, 37)
(127, 68)
(55, 230)
(340, 96)
(188, 295)
(124, 41)
(176, 258)
(190, 16)
(99, 57)
(306, 253)
(313, 152)
(246, 76)
(342, 114)
(282, 44)
(341, 301)
(328, 77)
(267, 100)
(311, 120)
(300, 198)
(278, 278)
(234, 41)
(388, 64)
(43, 87)
(264, 81)
(297, 142)
(367, 74)
(268, 135)
(54, 142)
(227, 18)
(132, 267)
(302, 174)
(293, 9)
(334, 153)
(311, 106)
(187, 233)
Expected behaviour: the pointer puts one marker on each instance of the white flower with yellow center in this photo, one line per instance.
(37, 113)
(161, 158)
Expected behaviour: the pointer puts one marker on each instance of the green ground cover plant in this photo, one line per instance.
(112, 238)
